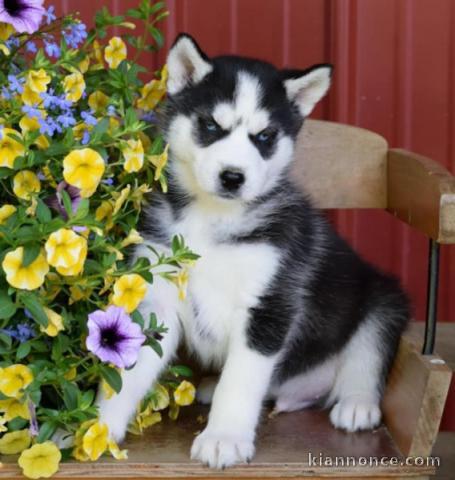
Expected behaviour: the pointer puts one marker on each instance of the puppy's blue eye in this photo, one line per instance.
(266, 136)
(211, 126)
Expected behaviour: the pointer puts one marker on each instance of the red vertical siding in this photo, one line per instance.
(394, 74)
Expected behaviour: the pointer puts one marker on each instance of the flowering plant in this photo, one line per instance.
(79, 152)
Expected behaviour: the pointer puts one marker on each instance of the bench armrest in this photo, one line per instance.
(421, 192)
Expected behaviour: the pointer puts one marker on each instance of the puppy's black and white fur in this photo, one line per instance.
(278, 301)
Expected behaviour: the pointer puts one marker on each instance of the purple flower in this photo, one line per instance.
(56, 201)
(23, 15)
(113, 337)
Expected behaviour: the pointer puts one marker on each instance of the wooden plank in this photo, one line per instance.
(414, 399)
(284, 445)
(340, 166)
(421, 192)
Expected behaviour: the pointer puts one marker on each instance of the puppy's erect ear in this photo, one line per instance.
(186, 63)
(306, 87)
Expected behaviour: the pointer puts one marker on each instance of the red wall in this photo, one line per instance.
(394, 74)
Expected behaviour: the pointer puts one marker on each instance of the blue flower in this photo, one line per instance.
(12, 42)
(111, 111)
(52, 49)
(85, 137)
(31, 47)
(21, 332)
(15, 84)
(108, 181)
(75, 34)
(50, 15)
(31, 112)
(49, 126)
(88, 118)
(1, 131)
(66, 120)
(6, 94)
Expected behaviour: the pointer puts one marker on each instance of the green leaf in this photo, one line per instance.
(6, 340)
(83, 209)
(70, 395)
(23, 350)
(6, 172)
(31, 252)
(32, 303)
(181, 370)
(7, 307)
(46, 431)
(67, 203)
(155, 344)
(137, 317)
(112, 377)
(43, 212)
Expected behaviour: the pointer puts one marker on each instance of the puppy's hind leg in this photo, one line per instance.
(356, 393)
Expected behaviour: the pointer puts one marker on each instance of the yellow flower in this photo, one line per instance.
(70, 374)
(40, 461)
(6, 211)
(134, 156)
(79, 292)
(97, 56)
(108, 391)
(116, 452)
(13, 408)
(14, 379)
(115, 52)
(15, 442)
(29, 97)
(26, 278)
(181, 281)
(31, 210)
(159, 162)
(4, 49)
(25, 183)
(160, 398)
(95, 440)
(55, 323)
(80, 129)
(129, 291)
(31, 124)
(184, 394)
(153, 92)
(64, 248)
(133, 238)
(98, 101)
(37, 80)
(74, 86)
(120, 198)
(10, 148)
(84, 64)
(6, 30)
(77, 268)
(83, 169)
(138, 195)
(104, 212)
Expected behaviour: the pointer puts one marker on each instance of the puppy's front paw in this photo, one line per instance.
(219, 450)
(356, 413)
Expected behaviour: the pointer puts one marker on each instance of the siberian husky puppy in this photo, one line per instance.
(278, 302)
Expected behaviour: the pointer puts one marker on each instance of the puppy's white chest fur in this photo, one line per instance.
(227, 280)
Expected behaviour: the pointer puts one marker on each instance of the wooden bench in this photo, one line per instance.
(341, 167)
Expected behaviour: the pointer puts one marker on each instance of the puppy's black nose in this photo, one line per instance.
(232, 180)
